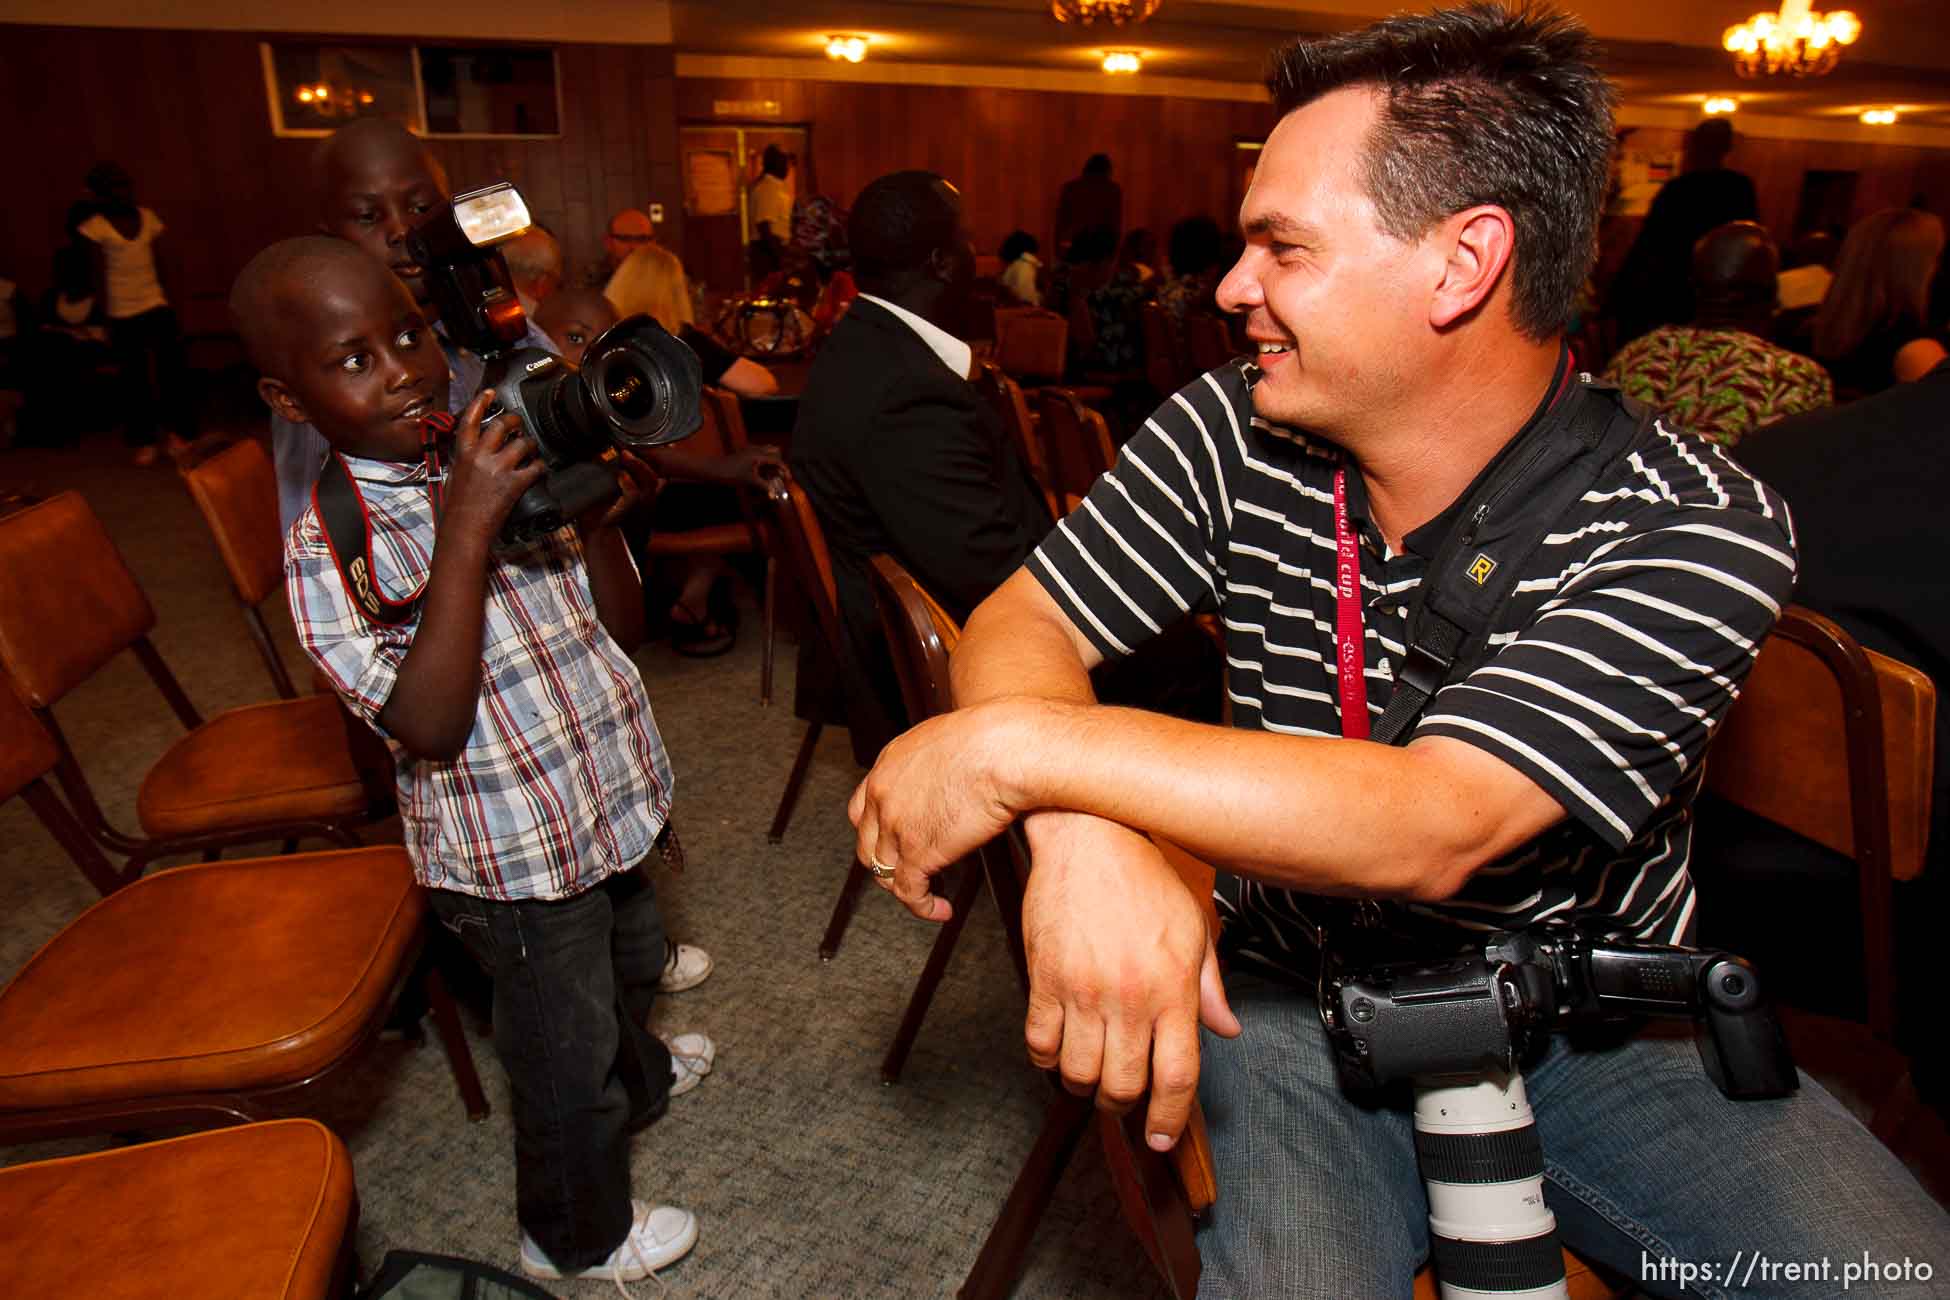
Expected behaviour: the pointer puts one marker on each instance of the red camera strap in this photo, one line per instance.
(436, 432)
(1350, 653)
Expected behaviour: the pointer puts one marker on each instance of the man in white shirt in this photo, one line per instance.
(769, 206)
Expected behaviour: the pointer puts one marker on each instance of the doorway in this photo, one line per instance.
(720, 162)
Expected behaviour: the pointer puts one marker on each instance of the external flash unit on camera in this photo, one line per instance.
(492, 214)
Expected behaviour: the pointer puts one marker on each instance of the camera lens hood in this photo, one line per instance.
(641, 384)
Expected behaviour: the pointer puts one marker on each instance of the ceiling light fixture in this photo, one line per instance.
(1795, 42)
(1115, 12)
(1879, 117)
(1122, 61)
(1719, 104)
(850, 48)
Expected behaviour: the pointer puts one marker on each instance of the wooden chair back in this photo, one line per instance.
(1076, 442)
(68, 603)
(1004, 396)
(1164, 350)
(1031, 343)
(1208, 340)
(236, 487)
(1868, 797)
(921, 635)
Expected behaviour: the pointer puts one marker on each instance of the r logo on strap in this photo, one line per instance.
(1481, 568)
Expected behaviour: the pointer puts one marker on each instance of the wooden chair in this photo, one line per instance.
(1031, 344)
(1160, 1196)
(236, 487)
(1836, 744)
(804, 542)
(1076, 442)
(722, 434)
(1005, 397)
(68, 604)
(191, 996)
(256, 1212)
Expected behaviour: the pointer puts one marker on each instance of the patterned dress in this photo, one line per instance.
(1718, 383)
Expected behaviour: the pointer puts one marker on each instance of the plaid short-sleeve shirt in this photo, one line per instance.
(564, 779)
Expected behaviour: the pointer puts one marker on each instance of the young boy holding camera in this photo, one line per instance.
(532, 782)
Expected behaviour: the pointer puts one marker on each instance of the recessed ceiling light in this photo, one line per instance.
(850, 48)
(1879, 117)
(1122, 61)
(1718, 104)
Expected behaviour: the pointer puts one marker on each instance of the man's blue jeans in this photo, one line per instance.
(573, 981)
(1320, 1196)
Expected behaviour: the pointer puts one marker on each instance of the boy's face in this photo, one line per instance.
(375, 196)
(358, 362)
(573, 317)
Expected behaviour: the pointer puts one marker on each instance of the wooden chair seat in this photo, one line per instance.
(256, 1212)
(185, 982)
(711, 539)
(265, 763)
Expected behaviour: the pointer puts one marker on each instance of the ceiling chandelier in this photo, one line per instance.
(1795, 42)
(1115, 12)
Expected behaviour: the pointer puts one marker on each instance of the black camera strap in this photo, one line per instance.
(1532, 484)
(348, 525)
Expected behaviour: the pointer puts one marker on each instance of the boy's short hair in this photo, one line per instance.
(1487, 103)
(272, 285)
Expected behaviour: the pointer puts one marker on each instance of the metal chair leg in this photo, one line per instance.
(966, 892)
(789, 797)
(856, 875)
(460, 1058)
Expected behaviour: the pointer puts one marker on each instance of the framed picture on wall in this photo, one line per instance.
(500, 91)
(316, 87)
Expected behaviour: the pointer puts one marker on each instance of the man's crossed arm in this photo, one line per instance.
(1121, 967)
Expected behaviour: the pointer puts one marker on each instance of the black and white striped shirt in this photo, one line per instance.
(1617, 654)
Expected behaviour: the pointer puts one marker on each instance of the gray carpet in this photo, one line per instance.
(809, 1178)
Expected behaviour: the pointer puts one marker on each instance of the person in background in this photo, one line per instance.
(1021, 270)
(651, 282)
(1719, 376)
(894, 445)
(1140, 255)
(819, 231)
(535, 265)
(1195, 248)
(1652, 287)
(533, 786)
(64, 354)
(142, 326)
(692, 594)
(1089, 201)
(1873, 327)
(628, 230)
(1807, 269)
(1867, 483)
(1104, 295)
(770, 211)
(374, 181)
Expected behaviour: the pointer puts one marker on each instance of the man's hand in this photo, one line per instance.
(1121, 970)
(492, 467)
(755, 466)
(936, 794)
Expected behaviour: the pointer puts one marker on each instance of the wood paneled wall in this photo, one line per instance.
(185, 112)
(1008, 151)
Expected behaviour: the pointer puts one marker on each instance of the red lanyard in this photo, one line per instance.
(1350, 653)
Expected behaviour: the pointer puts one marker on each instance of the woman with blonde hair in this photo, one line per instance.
(651, 282)
(1872, 330)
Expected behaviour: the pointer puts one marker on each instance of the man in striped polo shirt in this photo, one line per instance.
(1419, 224)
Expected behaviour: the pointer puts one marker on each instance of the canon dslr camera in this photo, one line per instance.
(638, 387)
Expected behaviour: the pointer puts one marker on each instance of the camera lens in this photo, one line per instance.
(639, 385)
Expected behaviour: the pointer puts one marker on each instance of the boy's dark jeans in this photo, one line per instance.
(573, 980)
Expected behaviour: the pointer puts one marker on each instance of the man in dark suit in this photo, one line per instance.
(1866, 483)
(897, 450)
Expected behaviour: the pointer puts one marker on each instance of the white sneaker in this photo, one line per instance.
(661, 1235)
(691, 1056)
(685, 968)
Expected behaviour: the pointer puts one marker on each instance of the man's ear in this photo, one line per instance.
(1477, 244)
(282, 401)
(941, 265)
